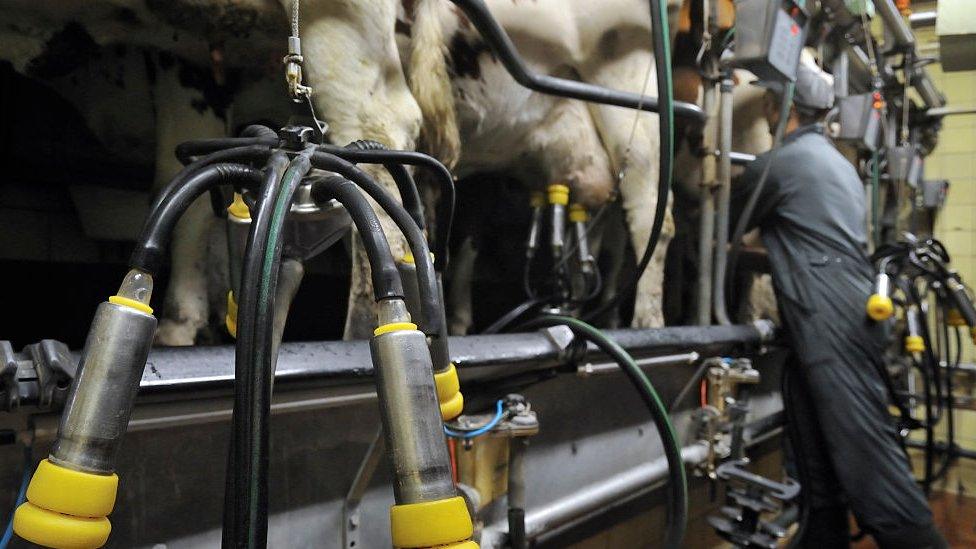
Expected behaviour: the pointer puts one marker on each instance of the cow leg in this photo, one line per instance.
(353, 65)
(638, 188)
(179, 117)
(460, 312)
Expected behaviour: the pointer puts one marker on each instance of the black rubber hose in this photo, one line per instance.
(501, 45)
(442, 176)
(431, 320)
(386, 277)
(944, 348)
(259, 130)
(409, 195)
(261, 378)
(187, 150)
(249, 154)
(238, 505)
(505, 320)
(662, 45)
(150, 251)
(677, 481)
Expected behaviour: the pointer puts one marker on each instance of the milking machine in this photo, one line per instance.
(915, 279)
(73, 491)
(292, 198)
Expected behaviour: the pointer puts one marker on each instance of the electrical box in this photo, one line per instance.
(955, 24)
(859, 117)
(904, 165)
(769, 35)
(934, 192)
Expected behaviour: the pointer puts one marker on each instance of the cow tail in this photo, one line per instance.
(430, 84)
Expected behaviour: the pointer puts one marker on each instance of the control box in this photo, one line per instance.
(769, 35)
(859, 117)
(934, 193)
(904, 165)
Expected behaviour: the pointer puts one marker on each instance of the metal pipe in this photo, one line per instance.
(592, 498)
(290, 276)
(922, 19)
(102, 394)
(895, 23)
(724, 201)
(175, 373)
(741, 158)
(411, 415)
(706, 210)
(516, 492)
(951, 111)
(501, 45)
(706, 229)
(351, 520)
(589, 369)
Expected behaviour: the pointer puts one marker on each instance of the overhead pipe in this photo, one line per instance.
(904, 40)
(922, 19)
(895, 23)
(501, 45)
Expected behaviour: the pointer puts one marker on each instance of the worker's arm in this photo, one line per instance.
(743, 187)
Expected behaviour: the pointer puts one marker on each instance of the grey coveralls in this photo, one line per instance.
(811, 213)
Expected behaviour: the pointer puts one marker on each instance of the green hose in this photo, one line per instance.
(678, 482)
(875, 201)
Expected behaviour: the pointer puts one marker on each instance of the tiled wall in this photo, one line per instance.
(955, 159)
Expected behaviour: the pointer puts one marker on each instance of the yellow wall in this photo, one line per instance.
(955, 159)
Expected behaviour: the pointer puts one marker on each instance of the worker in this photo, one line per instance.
(844, 443)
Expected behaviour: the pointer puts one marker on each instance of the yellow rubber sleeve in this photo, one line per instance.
(431, 524)
(578, 214)
(558, 194)
(130, 303)
(447, 383)
(71, 492)
(52, 529)
(393, 327)
(453, 407)
(880, 307)
(230, 319)
(238, 208)
(914, 344)
(449, 393)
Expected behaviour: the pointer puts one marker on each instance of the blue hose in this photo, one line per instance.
(21, 495)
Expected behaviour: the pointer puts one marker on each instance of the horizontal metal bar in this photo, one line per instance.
(950, 111)
(478, 358)
(942, 447)
(589, 369)
(741, 158)
(628, 484)
(922, 19)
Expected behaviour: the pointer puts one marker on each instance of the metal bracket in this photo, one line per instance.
(9, 388)
(350, 505)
